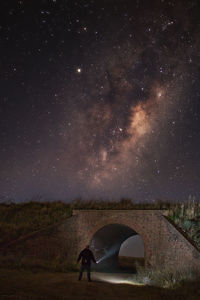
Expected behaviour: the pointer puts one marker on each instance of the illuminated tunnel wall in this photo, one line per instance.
(132, 247)
(106, 244)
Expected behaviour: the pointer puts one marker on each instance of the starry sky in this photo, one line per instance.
(100, 99)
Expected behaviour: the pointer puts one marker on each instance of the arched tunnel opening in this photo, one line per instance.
(117, 248)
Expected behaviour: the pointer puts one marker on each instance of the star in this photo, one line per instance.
(114, 92)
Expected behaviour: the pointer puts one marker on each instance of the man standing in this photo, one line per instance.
(87, 256)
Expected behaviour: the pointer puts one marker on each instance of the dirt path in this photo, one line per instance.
(42, 285)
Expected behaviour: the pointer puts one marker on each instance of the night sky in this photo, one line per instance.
(99, 99)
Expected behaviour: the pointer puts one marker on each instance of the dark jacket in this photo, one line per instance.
(87, 256)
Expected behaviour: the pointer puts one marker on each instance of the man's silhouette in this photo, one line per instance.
(87, 256)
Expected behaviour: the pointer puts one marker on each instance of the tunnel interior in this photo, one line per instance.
(106, 244)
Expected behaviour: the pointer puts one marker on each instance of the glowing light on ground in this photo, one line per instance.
(116, 278)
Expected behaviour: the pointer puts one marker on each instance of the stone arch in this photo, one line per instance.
(107, 241)
(93, 222)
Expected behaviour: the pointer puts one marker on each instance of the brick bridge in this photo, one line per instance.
(164, 245)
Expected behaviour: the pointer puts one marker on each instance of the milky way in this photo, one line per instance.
(100, 99)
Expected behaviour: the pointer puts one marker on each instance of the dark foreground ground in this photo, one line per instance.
(16, 284)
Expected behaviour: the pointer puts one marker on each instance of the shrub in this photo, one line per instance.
(167, 278)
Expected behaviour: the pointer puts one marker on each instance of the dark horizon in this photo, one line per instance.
(154, 203)
(100, 100)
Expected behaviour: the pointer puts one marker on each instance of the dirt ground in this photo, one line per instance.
(16, 284)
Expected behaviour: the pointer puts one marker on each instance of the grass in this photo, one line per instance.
(17, 220)
(16, 284)
(167, 278)
(158, 277)
(187, 218)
